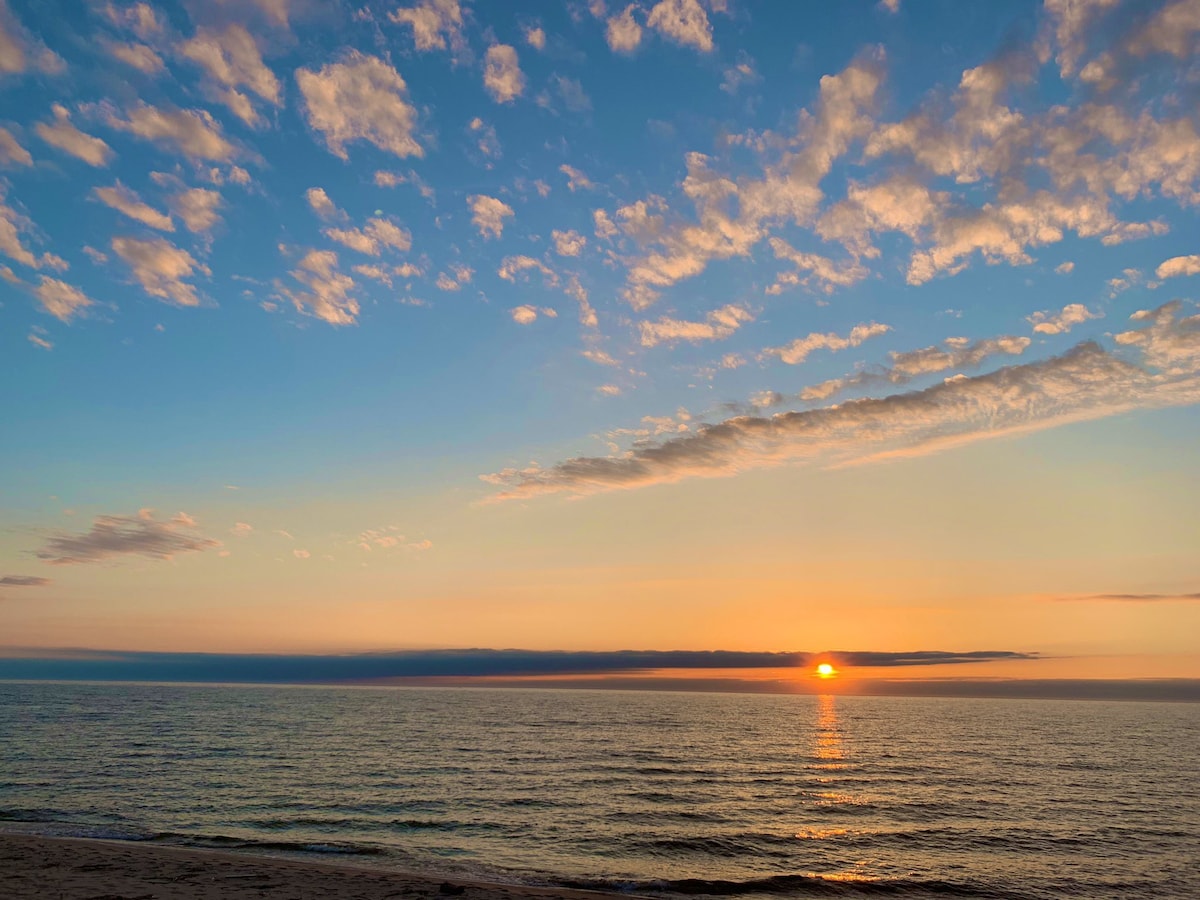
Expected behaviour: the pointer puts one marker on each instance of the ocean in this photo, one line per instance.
(642, 792)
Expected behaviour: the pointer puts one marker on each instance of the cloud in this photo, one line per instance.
(433, 23)
(377, 235)
(192, 132)
(12, 224)
(576, 180)
(136, 55)
(20, 52)
(568, 243)
(231, 60)
(241, 529)
(126, 201)
(737, 76)
(718, 324)
(1179, 265)
(160, 268)
(1132, 598)
(328, 296)
(827, 274)
(1087, 382)
(798, 350)
(11, 152)
(528, 314)
(958, 353)
(66, 137)
(40, 342)
(114, 536)
(197, 207)
(326, 208)
(1065, 268)
(502, 75)
(623, 33)
(462, 275)
(486, 141)
(684, 22)
(360, 99)
(488, 214)
(535, 37)
(61, 300)
(139, 18)
(1061, 322)
(23, 581)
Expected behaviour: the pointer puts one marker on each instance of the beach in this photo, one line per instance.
(49, 868)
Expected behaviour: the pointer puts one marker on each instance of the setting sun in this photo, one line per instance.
(825, 670)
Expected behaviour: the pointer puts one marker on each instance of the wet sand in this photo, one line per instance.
(43, 868)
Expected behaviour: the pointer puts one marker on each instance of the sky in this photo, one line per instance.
(689, 325)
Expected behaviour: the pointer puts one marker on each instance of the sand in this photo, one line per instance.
(42, 868)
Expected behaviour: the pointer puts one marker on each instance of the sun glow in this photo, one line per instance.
(825, 670)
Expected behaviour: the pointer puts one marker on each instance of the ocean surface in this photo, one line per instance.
(659, 793)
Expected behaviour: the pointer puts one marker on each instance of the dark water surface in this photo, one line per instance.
(647, 792)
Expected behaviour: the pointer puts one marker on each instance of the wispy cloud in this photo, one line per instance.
(117, 536)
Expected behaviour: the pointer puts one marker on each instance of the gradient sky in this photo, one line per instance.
(697, 324)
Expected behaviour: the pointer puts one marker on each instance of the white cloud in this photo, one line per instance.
(485, 137)
(325, 207)
(328, 295)
(828, 274)
(524, 315)
(609, 390)
(433, 23)
(1179, 265)
(718, 324)
(1071, 19)
(502, 75)
(194, 133)
(535, 37)
(568, 243)
(139, 18)
(511, 266)
(197, 207)
(1065, 268)
(957, 353)
(374, 237)
(241, 529)
(61, 300)
(488, 214)
(1087, 382)
(735, 77)
(684, 22)
(12, 223)
(1061, 322)
(160, 268)
(20, 52)
(576, 180)
(798, 350)
(136, 55)
(232, 60)
(605, 228)
(40, 341)
(461, 275)
(360, 99)
(623, 33)
(11, 152)
(66, 137)
(126, 201)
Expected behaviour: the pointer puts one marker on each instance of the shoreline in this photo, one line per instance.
(36, 867)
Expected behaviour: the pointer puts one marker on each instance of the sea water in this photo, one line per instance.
(645, 792)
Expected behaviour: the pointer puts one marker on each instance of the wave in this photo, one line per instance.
(802, 885)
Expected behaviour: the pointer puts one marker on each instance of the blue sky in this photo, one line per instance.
(312, 301)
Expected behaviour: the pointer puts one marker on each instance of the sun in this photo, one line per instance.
(825, 670)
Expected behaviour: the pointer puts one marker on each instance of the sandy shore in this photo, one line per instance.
(41, 868)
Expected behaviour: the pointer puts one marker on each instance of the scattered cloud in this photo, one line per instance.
(136, 55)
(231, 60)
(61, 300)
(12, 225)
(623, 32)
(1065, 268)
(576, 180)
(160, 268)
(116, 536)
(1129, 598)
(434, 23)
(502, 75)
(568, 243)
(1061, 322)
(798, 350)
(360, 99)
(375, 236)
(1087, 382)
(66, 137)
(126, 201)
(11, 152)
(535, 37)
(488, 214)
(328, 296)
(192, 132)
(241, 529)
(684, 22)
(197, 208)
(718, 324)
(1179, 265)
